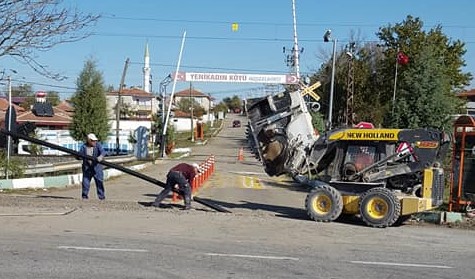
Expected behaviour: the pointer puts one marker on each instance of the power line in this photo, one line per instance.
(324, 24)
(229, 39)
(213, 68)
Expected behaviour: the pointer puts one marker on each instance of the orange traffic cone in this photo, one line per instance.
(241, 154)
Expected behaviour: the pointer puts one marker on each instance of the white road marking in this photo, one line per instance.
(402, 264)
(102, 249)
(252, 256)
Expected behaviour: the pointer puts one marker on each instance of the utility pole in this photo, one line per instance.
(191, 112)
(164, 132)
(9, 138)
(327, 38)
(296, 45)
(332, 87)
(293, 59)
(119, 102)
(163, 89)
(210, 120)
(395, 84)
(349, 113)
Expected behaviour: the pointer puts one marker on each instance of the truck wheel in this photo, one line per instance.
(379, 207)
(324, 204)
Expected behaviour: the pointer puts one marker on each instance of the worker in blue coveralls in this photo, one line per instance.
(92, 168)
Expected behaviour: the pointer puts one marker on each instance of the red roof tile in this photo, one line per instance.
(60, 118)
(468, 93)
(131, 92)
(4, 106)
(65, 106)
(181, 114)
(193, 93)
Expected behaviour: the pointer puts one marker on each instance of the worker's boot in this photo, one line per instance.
(187, 197)
(187, 203)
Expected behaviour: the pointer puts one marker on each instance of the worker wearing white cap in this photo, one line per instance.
(181, 175)
(92, 168)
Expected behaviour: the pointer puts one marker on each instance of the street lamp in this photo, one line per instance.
(163, 91)
(327, 38)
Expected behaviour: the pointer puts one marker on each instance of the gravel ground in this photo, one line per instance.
(31, 204)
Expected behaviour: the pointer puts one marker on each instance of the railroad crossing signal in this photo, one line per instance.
(309, 91)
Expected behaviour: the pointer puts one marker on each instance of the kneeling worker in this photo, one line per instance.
(181, 175)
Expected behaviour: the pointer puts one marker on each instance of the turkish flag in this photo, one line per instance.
(402, 58)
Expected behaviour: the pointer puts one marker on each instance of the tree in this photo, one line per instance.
(424, 96)
(28, 26)
(185, 105)
(89, 102)
(26, 91)
(220, 107)
(318, 122)
(233, 103)
(53, 98)
(426, 86)
(22, 90)
(370, 102)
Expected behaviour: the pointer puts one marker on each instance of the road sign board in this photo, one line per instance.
(236, 78)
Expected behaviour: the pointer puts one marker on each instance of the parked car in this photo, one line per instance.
(236, 123)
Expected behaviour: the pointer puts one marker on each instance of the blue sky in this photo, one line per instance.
(265, 27)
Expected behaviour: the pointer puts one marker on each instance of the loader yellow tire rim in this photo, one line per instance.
(377, 208)
(322, 204)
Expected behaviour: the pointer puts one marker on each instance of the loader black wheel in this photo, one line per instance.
(379, 207)
(324, 204)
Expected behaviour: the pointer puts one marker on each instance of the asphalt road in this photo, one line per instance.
(53, 234)
(153, 244)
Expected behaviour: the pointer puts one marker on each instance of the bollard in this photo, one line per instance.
(201, 178)
(206, 170)
(193, 185)
(212, 164)
(240, 154)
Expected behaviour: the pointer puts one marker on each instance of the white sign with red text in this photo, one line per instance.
(236, 78)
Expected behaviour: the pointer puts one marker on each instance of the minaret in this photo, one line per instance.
(146, 71)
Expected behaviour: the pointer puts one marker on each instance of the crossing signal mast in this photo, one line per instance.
(290, 58)
(293, 58)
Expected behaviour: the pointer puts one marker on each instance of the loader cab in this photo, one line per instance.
(351, 157)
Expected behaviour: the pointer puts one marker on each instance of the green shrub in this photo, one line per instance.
(15, 168)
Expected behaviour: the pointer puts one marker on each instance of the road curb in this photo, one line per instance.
(61, 181)
(439, 217)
